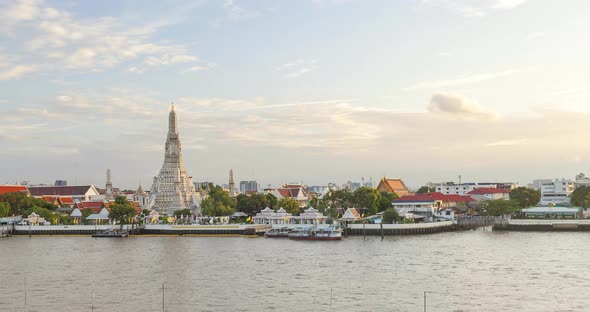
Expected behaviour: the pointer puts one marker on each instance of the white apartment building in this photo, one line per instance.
(556, 191)
(451, 188)
(582, 180)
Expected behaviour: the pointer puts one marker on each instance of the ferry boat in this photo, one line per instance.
(112, 233)
(277, 233)
(328, 233)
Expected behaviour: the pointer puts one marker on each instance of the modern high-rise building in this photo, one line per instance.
(60, 183)
(248, 187)
(173, 189)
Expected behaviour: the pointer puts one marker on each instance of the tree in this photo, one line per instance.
(85, 213)
(339, 199)
(4, 209)
(290, 205)
(390, 216)
(146, 212)
(218, 203)
(272, 200)
(386, 201)
(525, 197)
(425, 189)
(581, 196)
(367, 198)
(183, 212)
(21, 203)
(122, 211)
(499, 207)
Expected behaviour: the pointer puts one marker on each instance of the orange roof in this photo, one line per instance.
(395, 185)
(66, 200)
(13, 189)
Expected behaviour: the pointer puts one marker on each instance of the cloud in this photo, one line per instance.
(474, 8)
(297, 68)
(63, 41)
(16, 71)
(509, 142)
(465, 80)
(459, 106)
(236, 12)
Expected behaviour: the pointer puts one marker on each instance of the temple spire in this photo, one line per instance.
(172, 125)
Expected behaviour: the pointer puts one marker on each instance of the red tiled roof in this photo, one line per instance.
(66, 200)
(488, 190)
(59, 190)
(435, 196)
(13, 189)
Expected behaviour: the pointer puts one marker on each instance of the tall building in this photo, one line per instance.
(108, 195)
(232, 184)
(173, 188)
(248, 187)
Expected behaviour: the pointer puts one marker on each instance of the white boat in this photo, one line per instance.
(328, 233)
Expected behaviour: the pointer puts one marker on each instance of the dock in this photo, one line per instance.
(545, 225)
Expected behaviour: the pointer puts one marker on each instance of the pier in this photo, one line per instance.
(155, 229)
(399, 229)
(546, 225)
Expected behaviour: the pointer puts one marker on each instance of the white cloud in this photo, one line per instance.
(236, 12)
(64, 41)
(509, 142)
(475, 8)
(457, 105)
(16, 71)
(297, 68)
(465, 80)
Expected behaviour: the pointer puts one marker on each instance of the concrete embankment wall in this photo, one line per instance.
(400, 229)
(543, 225)
(221, 230)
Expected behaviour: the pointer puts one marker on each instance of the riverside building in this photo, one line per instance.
(173, 189)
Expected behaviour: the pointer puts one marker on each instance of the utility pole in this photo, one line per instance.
(163, 307)
(425, 301)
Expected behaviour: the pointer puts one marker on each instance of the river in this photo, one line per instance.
(460, 271)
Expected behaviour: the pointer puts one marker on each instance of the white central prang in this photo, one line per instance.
(173, 188)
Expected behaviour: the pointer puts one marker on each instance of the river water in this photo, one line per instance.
(460, 271)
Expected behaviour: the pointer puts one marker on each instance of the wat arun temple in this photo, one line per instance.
(173, 189)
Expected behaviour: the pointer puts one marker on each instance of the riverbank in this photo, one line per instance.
(545, 225)
(230, 229)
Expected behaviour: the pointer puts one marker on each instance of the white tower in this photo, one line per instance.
(108, 195)
(173, 188)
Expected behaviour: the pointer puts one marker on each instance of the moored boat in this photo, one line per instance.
(328, 233)
(112, 233)
(277, 233)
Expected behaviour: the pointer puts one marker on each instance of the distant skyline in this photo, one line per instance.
(281, 91)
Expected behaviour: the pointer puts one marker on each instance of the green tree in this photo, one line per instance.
(146, 212)
(425, 189)
(581, 196)
(4, 209)
(183, 212)
(21, 203)
(85, 213)
(271, 200)
(290, 205)
(499, 207)
(339, 199)
(122, 211)
(386, 201)
(390, 216)
(367, 199)
(218, 203)
(525, 197)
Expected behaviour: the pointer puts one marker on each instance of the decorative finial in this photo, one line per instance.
(172, 105)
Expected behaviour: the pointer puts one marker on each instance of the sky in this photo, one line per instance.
(311, 91)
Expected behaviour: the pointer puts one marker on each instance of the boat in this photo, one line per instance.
(112, 233)
(328, 233)
(282, 232)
